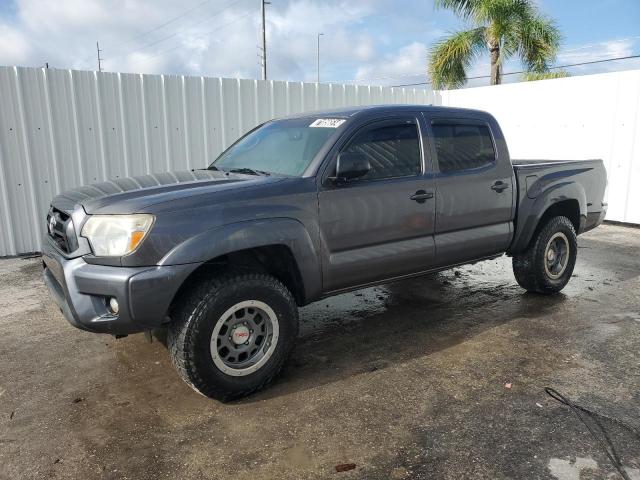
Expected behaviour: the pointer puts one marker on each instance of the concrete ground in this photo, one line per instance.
(407, 380)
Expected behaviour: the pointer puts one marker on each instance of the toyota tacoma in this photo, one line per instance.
(303, 208)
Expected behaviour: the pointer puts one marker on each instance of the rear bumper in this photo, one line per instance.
(82, 291)
(593, 219)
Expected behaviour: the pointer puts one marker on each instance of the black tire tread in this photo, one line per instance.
(526, 267)
(183, 329)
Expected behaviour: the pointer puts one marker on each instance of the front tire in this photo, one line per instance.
(232, 334)
(547, 264)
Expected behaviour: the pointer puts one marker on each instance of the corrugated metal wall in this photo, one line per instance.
(64, 128)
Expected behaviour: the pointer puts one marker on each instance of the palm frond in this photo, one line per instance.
(538, 41)
(492, 13)
(462, 8)
(533, 76)
(450, 58)
(500, 14)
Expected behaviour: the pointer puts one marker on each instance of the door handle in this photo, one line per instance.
(421, 196)
(499, 186)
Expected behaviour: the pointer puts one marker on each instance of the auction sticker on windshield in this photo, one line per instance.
(328, 122)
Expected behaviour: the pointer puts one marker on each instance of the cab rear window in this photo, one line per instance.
(461, 147)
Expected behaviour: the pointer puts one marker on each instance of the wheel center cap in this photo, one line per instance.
(240, 335)
(551, 255)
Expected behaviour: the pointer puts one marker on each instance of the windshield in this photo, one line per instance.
(283, 147)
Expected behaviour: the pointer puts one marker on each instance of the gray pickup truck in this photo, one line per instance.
(299, 209)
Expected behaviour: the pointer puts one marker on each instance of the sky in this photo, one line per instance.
(377, 42)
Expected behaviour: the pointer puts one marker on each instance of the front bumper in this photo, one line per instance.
(82, 292)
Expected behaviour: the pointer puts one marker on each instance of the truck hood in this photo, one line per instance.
(133, 194)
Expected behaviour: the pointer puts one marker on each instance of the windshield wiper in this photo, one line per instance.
(249, 171)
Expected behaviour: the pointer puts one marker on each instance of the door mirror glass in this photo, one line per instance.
(351, 165)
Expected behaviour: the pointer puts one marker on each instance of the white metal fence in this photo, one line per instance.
(63, 128)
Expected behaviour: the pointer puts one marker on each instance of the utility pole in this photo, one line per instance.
(263, 3)
(99, 59)
(319, 35)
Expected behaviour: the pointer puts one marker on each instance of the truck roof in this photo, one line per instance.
(346, 112)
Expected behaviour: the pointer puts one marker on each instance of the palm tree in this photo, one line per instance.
(504, 28)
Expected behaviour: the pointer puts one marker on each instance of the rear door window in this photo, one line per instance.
(461, 147)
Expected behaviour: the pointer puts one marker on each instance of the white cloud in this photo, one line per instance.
(216, 38)
(402, 66)
(53, 17)
(599, 51)
(293, 34)
(14, 46)
(369, 41)
(144, 62)
(298, 16)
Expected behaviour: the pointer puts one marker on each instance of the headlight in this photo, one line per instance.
(116, 235)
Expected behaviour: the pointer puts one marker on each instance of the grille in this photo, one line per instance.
(61, 230)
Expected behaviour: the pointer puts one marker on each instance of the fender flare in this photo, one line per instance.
(531, 210)
(248, 234)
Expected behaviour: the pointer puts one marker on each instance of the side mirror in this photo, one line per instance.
(351, 165)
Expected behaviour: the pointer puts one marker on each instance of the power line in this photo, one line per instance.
(117, 46)
(583, 47)
(168, 22)
(599, 44)
(386, 77)
(195, 38)
(86, 59)
(179, 31)
(524, 71)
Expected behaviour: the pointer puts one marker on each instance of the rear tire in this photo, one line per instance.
(232, 334)
(547, 264)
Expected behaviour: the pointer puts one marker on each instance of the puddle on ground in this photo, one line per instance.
(573, 469)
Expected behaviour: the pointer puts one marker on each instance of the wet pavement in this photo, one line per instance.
(407, 380)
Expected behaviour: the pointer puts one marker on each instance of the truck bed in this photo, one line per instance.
(589, 173)
(537, 162)
(586, 180)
